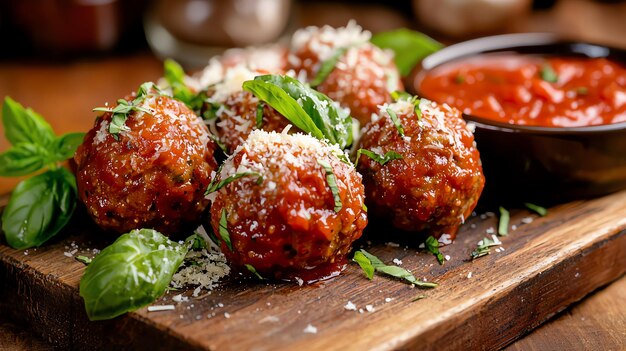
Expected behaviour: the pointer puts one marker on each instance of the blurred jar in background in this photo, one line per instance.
(73, 27)
(191, 31)
(466, 18)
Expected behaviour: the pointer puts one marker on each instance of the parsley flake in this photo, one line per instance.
(483, 247)
(503, 225)
(548, 74)
(542, 211)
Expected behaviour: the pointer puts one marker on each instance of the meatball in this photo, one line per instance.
(152, 174)
(364, 75)
(270, 59)
(236, 110)
(437, 182)
(294, 212)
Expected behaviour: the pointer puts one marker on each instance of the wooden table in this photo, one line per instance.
(65, 93)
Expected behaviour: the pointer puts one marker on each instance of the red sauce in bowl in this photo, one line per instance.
(532, 90)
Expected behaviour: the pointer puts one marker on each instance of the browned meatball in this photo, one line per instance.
(236, 110)
(154, 175)
(283, 217)
(438, 181)
(363, 77)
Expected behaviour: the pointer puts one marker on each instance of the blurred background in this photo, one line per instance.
(192, 29)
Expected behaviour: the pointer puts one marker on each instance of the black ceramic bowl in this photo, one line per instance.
(531, 163)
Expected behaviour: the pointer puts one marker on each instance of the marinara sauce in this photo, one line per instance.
(532, 90)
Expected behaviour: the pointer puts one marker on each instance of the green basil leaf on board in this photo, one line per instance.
(65, 146)
(409, 47)
(307, 109)
(365, 263)
(39, 208)
(394, 271)
(23, 125)
(22, 159)
(130, 273)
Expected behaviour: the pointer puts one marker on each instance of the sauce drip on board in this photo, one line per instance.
(532, 90)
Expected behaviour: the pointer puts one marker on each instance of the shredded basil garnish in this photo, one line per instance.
(259, 114)
(327, 67)
(432, 245)
(223, 229)
(331, 179)
(483, 248)
(419, 297)
(213, 186)
(381, 159)
(124, 108)
(548, 74)
(394, 271)
(503, 224)
(253, 271)
(396, 121)
(542, 211)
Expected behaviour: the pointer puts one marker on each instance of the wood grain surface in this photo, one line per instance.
(547, 265)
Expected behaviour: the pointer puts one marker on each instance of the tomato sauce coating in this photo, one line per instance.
(281, 218)
(439, 179)
(154, 176)
(530, 90)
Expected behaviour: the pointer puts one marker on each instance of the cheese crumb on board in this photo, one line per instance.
(310, 329)
(161, 308)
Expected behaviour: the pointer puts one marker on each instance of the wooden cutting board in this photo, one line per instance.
(482, 304)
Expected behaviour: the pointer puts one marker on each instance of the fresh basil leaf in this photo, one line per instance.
(503, 224)
(65, 146)
(409, 47)
(548, 74)
(253, 271)
(175, 77)
(130, 273)
(39, 208)
(327, 67)
(365, 264)
(213, 186)
(432, 245)
(23, 125)
(395, 271)
(281, 101)
(22, 159)
(394, 118)
(223, 230)
(542, 211)
(331, 179)
(381, 159)
(307, 109)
